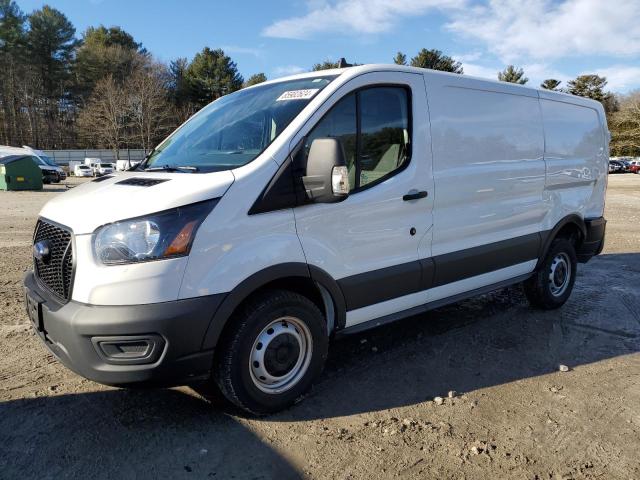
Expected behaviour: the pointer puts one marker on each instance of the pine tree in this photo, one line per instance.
(255, 79)
(592, 86)
(550, 84)
(400, 59)
(512, 74)
(50, 45)
(104, 52)
(51, 41)
(211, 75)
(12, 53)
(325, 65)
(436, 60)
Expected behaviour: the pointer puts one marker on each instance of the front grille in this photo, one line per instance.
(56, 272)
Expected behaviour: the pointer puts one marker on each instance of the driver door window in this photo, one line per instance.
(373, 127)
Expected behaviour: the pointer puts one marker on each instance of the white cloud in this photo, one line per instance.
(285, 70)
(539, 72)
(621, 78)
(256, 52)
(548, 29)
(511, 29)
(481, 71)
(352, 17)
(468, 57)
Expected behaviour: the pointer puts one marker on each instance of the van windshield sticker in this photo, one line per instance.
(298, 94)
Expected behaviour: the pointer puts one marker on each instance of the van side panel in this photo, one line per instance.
(576, 160)
(489, 169)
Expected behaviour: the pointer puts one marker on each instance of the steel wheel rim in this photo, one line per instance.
(559, 274)
(285, 333)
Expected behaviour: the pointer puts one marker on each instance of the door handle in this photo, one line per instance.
(414, 195)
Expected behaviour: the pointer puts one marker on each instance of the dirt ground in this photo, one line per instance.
(372, 413)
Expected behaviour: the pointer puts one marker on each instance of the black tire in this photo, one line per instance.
(545, 290)
(237, 378)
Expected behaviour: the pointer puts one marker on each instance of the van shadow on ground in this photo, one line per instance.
(482, 342)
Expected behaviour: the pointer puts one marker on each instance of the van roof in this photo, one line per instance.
(379, 67)
(6, 150)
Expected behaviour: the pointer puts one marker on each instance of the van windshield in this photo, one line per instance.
(236, 128)
(48, 160)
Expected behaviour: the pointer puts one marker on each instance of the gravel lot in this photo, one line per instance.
(372, 414)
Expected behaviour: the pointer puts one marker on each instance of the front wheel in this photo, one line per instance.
(276, 346)
(550, 286)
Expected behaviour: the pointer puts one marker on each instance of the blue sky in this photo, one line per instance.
(549, 38)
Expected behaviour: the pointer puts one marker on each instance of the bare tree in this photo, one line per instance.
(147, 105)
(625, 126)
(104, 119)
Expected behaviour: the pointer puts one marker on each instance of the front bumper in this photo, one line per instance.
(157, 343)
(594, 240)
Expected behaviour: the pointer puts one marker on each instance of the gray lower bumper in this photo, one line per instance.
(594, 240)
(94, 341)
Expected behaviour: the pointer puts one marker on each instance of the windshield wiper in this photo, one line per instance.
(145, 160)
(172, 168)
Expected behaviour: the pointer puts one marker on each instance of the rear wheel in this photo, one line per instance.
(276, 346)
(551, 285)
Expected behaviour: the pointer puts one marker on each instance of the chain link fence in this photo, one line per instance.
(63, 157)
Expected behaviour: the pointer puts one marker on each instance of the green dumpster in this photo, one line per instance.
(19, 172)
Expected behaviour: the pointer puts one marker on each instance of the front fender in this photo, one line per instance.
(264, 277)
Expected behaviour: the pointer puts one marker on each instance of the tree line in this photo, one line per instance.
(103, 89)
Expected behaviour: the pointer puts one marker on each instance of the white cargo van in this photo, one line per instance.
(314, 205)
(102, 168)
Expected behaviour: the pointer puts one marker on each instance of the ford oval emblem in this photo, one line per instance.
(41, 251)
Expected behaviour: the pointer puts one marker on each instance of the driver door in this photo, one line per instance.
(377, 242)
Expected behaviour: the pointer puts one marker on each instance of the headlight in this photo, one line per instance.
(161, 235)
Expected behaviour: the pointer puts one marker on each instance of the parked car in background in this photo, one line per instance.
(616, 166)
(101, 168)
(83, 171)
(47, 161)
(50, 174)
(634, 166)
(72, 166)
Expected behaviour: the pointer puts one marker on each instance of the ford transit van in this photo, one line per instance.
(320, 204)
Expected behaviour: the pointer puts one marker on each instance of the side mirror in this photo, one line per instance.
(327, 179)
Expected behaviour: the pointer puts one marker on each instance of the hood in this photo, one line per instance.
(50, 167)
(105, 200)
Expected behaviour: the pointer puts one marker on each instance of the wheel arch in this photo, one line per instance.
(568, 226)
(308, 280)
